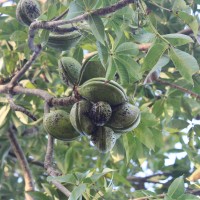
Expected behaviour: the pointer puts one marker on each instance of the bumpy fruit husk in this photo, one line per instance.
(91, 68)
(104, 139)
(124, 118)
(27, 11)
(57, 124)
(79, 118)
(99, 89)
(64, 42)
(69, 70)
(100, 113)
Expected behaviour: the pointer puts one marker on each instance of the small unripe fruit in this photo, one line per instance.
(69, 70)
(125, 117)
(79, 118)
(57, 124)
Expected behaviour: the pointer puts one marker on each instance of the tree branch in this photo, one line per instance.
(51, 100)
(19, 108)
(146, 178)
(29, 185)
(52, 25)
(193, 94)
(30, 160)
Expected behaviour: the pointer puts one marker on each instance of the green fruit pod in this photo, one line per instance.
(57, 124)
(100, 89)
(79, 118)
(65, 41)
(91, 68)
(69, 70)
(100, 113)
(27, 11)
(104, 139)
(125, 117)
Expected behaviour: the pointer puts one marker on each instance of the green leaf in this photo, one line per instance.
(75, 9)
(69, 160)
(4, 150)
(176, 125)
(8, 10)
(102, 52)
(3, 114)
(197, 129)
(129, 145)
(19, 36)
(97, 27)
(190, 20)
(127, 48)
(188, 197)
(117, 152)
(145, 135)
(69, 178)
(122, 179)
(132, 67)
(184, 62)
(178, 39)
(153, 55)
(52, 10)
(158, 107)
(122, 71)
(78, 54)
(39, 195)
(77, 192)
(111, 69)
(95, 177)
(176, 189)
(22, 117)
(44, 37)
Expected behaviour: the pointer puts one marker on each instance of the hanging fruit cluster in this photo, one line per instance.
(103, 114)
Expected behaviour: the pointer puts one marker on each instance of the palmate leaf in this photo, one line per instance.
(185, 63)
(97, 27)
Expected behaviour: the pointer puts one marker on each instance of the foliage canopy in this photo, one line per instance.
(151, 48)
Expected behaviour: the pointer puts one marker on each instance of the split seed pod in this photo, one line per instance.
(27, 11)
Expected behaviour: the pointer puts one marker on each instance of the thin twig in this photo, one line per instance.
(30, 160)
(60, 16)
(186, 31)
(29, 185)
(22, 71)
(19, 108)
(172, 85)
(161, 196)
(159, 6)
(53, 25)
